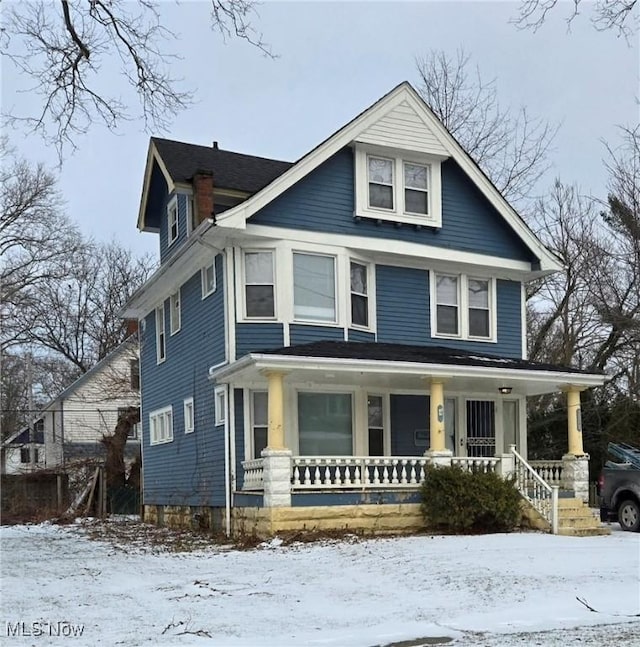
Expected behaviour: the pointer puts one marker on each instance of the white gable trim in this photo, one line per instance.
(152, 155)
(237, 216)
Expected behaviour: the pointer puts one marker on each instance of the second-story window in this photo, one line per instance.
(447, 314)
(172, 220)
(465, 307)
(479, 313)
(259, 287)
(174, 313)
(359, 295)
(160, 335)
(314, 287)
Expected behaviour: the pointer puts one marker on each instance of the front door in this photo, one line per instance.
(481, 428)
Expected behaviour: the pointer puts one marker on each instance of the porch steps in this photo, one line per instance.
(576, 519)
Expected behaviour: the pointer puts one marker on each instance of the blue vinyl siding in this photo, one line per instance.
(408, 413)
(324, 201)
(361, 335)
(252, 337)
(303, 334)
(404, 313)
(189, 470)
(402, 301)
(167, 252)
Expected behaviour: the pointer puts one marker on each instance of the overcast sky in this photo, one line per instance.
(334, 60)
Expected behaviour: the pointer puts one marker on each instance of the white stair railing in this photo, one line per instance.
(542, 496)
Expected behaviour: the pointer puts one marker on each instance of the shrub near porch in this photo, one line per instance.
(455, 500)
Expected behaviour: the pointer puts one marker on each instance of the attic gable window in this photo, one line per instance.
(381, 174)
(398, 186)
(172, 220)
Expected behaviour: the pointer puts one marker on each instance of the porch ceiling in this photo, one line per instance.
(461, 372)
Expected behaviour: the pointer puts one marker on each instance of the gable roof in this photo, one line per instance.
(230, 170)
(359, 127)
(179, 162)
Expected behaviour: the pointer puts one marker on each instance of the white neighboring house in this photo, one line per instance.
(71, 425)
(24, 451)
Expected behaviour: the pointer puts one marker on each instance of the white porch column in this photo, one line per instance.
(575, 463)
(277, 457)
(437, 450)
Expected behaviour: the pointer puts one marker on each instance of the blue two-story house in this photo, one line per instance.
(319, 331)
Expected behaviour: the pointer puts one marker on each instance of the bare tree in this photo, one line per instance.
(620, 15)
(62, 47)
(30, 213)
(78, 318)
(510, 146)
(564, 326)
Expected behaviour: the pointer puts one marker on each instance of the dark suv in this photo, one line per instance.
(619, 488)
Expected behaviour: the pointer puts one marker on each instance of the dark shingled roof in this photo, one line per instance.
(418, 354)
(230, 170)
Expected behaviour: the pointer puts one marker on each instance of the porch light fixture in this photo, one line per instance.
(504, 390)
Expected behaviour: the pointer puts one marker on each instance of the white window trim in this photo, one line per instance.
(398, 214)
(336, 290)
(242, 293)
(174, 326)
(370, 294)
(188, 403)
(252, 424)
(172, 207)
(161, 326)
(167, 414)
(220, 402)
(463, 307)
(203, 279)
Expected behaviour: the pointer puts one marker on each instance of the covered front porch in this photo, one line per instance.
(334, 422)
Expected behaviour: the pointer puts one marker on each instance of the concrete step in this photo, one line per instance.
(578, 522)
(584, 532)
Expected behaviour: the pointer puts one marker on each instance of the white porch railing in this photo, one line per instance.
(253, 474)
(356, 472)
(542, 496)
(549, 471)
(476, 464)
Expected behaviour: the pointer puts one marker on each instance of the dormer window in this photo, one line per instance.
(381, 174)
(172, 220)
(402, 187)
(416, 188)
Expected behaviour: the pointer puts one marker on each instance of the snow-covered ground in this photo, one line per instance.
(478, 590)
